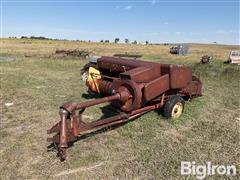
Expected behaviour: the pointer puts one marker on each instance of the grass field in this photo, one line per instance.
(148, 148)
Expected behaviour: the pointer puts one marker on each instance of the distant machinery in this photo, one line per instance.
(179, 50)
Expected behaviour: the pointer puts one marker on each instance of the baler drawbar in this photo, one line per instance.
(133, 87)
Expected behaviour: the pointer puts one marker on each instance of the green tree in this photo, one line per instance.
(116, 40)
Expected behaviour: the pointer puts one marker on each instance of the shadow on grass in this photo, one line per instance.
(90, 95)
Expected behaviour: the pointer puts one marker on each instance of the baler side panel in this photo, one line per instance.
(194, 88)
(179, 76)
(156, 87)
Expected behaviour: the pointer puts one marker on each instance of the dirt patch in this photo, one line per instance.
(71, 171)
(19, 130)
(7, 58)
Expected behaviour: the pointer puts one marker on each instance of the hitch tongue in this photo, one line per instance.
(70, 125)
(63, 141)
(63, 131)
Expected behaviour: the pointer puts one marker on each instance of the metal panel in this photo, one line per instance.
(141, 74)
(156, 87)
(180, 76)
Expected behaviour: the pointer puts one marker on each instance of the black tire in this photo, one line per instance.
(170, 106)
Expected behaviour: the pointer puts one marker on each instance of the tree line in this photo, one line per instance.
(116, 40)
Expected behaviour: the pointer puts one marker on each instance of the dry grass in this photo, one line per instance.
(148, 148)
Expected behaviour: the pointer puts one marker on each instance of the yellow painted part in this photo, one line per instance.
(93, 80)
(177, 110)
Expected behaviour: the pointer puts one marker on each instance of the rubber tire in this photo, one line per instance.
(168, 107)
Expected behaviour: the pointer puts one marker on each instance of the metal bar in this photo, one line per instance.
(146, 109)
(103, 122)
(63, 128)
(122, 117)
(97, 101)
(162, 99)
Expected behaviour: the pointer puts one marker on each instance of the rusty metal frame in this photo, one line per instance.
(134, 87)
(71, 126)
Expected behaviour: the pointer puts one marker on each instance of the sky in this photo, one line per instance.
(156, 21)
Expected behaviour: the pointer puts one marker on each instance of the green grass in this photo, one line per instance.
(148, 148)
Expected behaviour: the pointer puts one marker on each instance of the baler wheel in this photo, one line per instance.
(174, 107)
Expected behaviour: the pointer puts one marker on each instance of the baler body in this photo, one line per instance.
(150, 79)
(133, 87)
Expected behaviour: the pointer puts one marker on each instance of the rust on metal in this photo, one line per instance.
(133, 87)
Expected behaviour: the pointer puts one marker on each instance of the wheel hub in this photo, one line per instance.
(177, 110)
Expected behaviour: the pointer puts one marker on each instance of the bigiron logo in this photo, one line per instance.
(208, 169)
